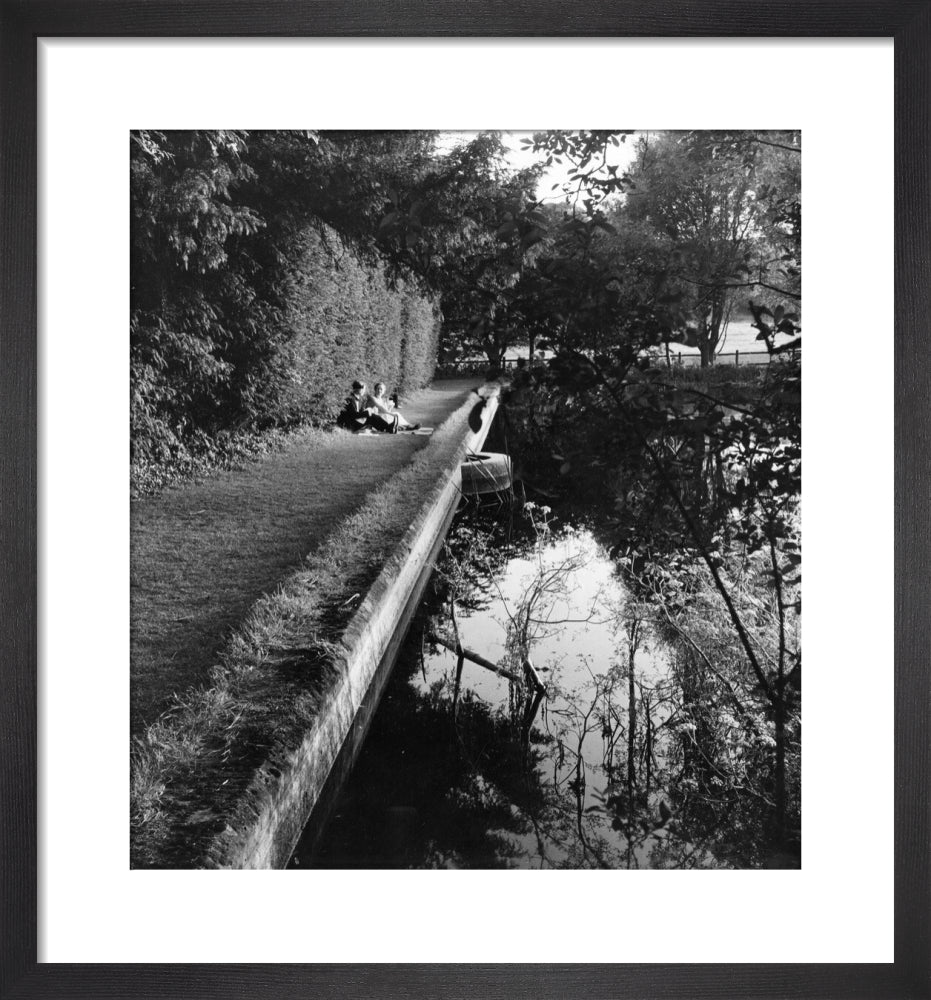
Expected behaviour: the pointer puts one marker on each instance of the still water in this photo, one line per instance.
(490, 776)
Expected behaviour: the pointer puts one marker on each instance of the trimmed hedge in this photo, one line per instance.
(344, 319)
(260, 290)
(326, 316)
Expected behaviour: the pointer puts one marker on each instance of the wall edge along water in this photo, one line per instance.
(316, 771)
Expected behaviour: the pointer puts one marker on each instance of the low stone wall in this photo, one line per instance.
(377, 626)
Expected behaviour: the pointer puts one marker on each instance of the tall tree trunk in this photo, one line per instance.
(631, 725)
(710, 330)
(780, 699)
(648, 723)
(780, 716)
(706, 342)
(631, 740)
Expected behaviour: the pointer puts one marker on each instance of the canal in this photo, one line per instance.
(484, 774)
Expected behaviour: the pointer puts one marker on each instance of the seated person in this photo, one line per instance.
(386, 407)
(357, 416)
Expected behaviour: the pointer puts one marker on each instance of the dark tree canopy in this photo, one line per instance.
(228, 334)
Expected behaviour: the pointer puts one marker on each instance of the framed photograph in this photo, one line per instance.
(827, 846)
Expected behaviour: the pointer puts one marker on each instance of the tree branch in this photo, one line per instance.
(746, 284)
(776, 145)
(692, 528)
(704, 395)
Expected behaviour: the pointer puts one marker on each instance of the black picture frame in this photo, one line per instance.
(21, 23)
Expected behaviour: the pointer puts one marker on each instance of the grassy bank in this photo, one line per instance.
(198, 768)
(729, 383)
(203, 553)
(207, 456)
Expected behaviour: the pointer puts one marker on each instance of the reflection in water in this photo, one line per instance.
(496, 775)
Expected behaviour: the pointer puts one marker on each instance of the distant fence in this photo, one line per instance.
(733, 358)
(474, 366)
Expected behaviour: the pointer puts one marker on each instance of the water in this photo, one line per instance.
(492, 777)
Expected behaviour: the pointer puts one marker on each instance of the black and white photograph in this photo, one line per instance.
(462, 525)
(465, 499)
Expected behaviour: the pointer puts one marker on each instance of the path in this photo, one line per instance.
(201, 554)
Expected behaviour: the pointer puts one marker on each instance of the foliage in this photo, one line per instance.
(211, 761)
(478, 267)
(698, 496)
(260, 286)
(661, 252)
(593, 288)
(270, 268)
(699, 486)
(670, 766)
(590, 178)
(709, 210)
(345, 319)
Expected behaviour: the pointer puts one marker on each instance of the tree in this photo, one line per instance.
(664, 251)
(705, 210)
(189, 302)
(774, 160)
(590, 178)
(222, 221)
(469, 227)
(700, 488)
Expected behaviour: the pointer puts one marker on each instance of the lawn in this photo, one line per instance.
(202, 554)
(257, 686)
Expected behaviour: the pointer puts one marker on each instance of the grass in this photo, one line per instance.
(731, 384)
(204, 763)
(229, 451)
(716, 375)
(203, 553)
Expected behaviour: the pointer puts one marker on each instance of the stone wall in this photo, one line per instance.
(375, 629)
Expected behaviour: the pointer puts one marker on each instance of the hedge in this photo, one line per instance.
(280, 352)
(344, 319)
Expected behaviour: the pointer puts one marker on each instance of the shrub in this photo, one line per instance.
(249, 312)
(346, 319)
(197, 386)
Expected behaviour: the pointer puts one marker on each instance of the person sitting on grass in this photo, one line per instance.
(357, 416)
(386, 407)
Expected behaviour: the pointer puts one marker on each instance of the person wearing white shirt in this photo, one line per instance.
(386, 409)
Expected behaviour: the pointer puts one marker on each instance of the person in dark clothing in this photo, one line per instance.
(356, 416)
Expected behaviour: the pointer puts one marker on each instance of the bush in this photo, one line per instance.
(345, 319)
(337, 318)
(248, 312)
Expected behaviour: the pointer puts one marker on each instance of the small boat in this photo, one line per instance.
(486, 472)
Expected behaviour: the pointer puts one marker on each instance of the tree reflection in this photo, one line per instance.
(634, 762)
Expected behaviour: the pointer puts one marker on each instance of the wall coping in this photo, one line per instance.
(293, 788)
